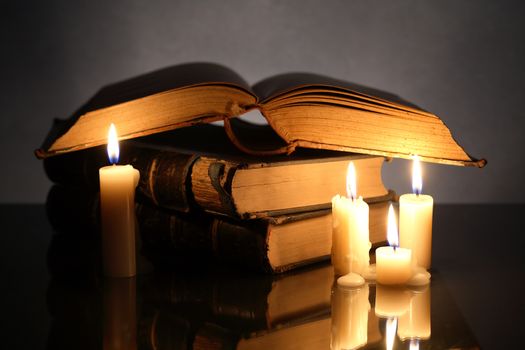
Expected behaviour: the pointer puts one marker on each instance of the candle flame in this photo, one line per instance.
(417, 178)
(113, 149)
(392, 234)
(391, 329)
(414, 344)
(351, 186)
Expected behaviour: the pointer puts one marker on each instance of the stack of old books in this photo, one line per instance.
(257, 196)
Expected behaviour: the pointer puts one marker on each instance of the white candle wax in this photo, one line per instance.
(415, 220)
(350, 234)
(350, 307)
(393, 265)
(350, 238)
(117, 203)
(415, 226)
(117, 208)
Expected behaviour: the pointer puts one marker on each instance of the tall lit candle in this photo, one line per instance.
(415, 220)
(350, 307)
(350, 235)
(117, 205)
(393, 264)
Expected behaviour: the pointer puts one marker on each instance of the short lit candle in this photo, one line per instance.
(117, 204)
(415, 220)
(350, 236)
(393, 264)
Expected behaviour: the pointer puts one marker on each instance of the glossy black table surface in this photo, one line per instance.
(53, 296)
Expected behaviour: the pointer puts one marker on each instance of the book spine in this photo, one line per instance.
(163, 174)
(171, 239)
(211, 181)
(164, 177)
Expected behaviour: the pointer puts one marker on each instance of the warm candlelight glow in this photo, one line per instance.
(415, 219)
(117, 212)
(391, 328)
(392, 234)
(414, 344)
(113, 149)
(351, 187)
(417, 178)
(393, 264)
(350, 235)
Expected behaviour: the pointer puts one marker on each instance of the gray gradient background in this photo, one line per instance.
(462, 60)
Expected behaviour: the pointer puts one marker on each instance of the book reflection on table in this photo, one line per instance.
(221, 309)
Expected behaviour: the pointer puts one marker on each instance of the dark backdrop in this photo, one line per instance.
(462, 60)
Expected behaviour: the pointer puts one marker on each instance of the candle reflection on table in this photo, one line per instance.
(350, 307)
(391, 301)
(416, 322)
(406, 310)
(120, 317)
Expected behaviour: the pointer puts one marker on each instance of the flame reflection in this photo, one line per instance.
(391, 329)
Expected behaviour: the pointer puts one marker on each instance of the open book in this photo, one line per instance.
(302, 110)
